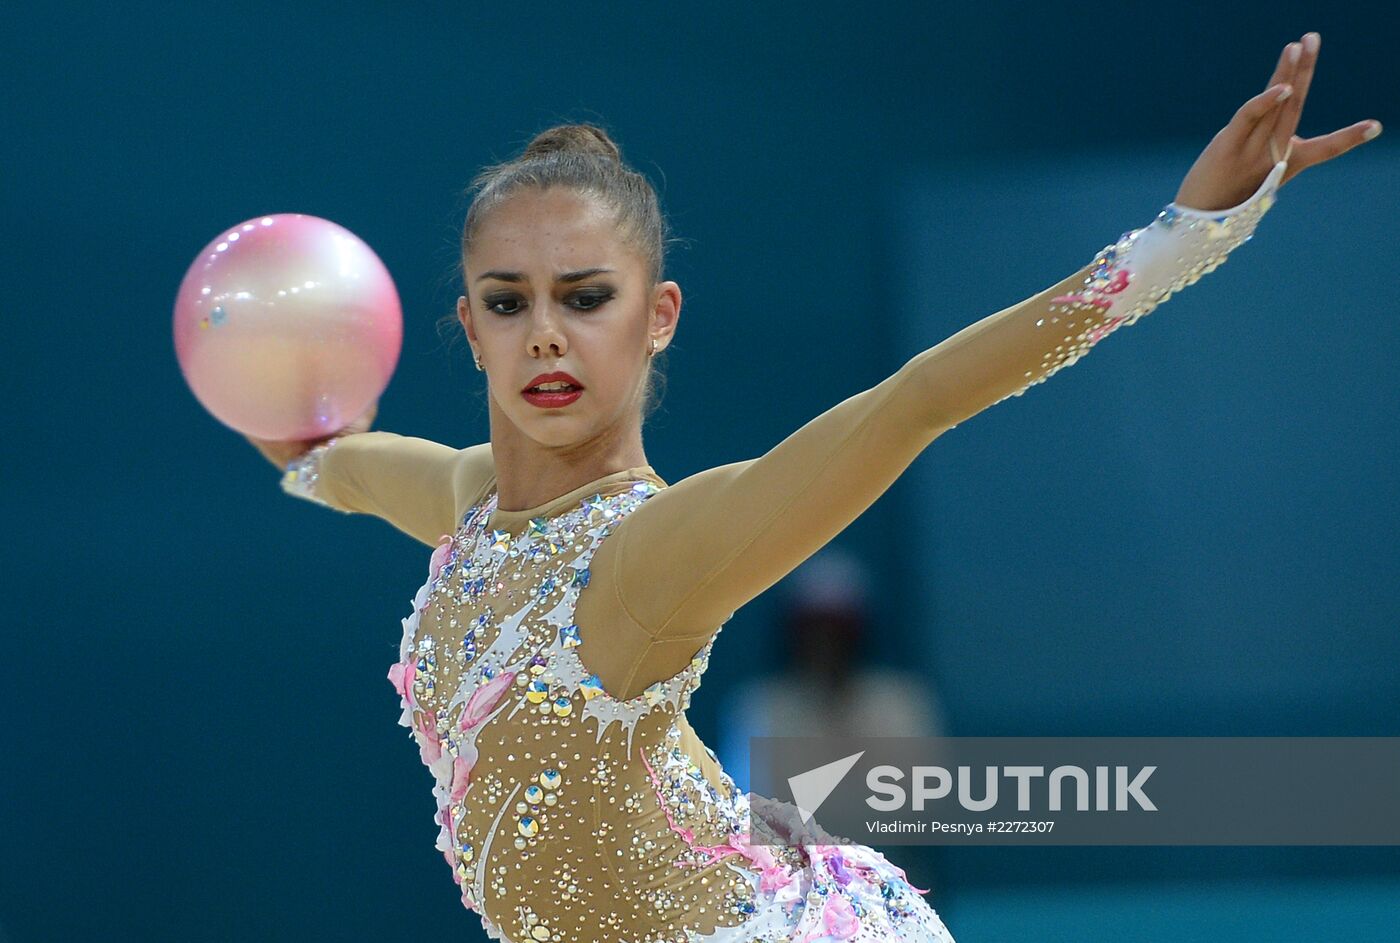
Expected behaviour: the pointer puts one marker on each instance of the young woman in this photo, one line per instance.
(573, 596)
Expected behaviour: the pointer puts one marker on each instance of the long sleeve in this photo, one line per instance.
(415, 484)
(701, 548)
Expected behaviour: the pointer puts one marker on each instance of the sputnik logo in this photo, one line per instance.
(810, 789)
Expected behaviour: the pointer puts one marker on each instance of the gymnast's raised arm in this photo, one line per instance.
(694, 553)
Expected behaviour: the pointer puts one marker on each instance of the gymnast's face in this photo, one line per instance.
(552, 287)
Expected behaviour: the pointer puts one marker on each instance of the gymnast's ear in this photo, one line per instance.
(464, 317)
(665, 313)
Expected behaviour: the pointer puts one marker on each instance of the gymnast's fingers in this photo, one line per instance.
(1284, 69)
(1313, 151)
(1301, 80)
(1252, 113)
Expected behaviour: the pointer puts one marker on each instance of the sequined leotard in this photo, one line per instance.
(547, 661)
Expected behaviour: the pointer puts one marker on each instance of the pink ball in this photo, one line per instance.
(287, 327)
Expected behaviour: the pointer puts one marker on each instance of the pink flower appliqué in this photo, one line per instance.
(479, 706)
(837, 919)
(401, 677)
(1093, 295)
(462, 772)
(484, 699)
(1117, 283)
(441, 554)
(429, 744)
(840, 919)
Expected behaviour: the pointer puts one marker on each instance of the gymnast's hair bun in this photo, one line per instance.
(574, 138)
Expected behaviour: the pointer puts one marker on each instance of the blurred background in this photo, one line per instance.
(1191, 532)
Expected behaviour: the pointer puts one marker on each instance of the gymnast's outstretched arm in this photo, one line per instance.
(695, 552)
(684, 561)
(417, 485)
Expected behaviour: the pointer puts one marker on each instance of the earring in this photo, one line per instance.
(652, 352)
(477, 358)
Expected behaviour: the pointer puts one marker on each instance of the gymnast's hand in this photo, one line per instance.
(1260, 134)
(280, 453)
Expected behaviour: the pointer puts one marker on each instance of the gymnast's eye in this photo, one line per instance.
(495, 305)
(587, 301)
(583, 301)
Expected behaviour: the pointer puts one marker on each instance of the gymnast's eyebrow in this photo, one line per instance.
(578, 276)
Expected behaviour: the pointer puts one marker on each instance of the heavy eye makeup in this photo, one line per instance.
(587, 300)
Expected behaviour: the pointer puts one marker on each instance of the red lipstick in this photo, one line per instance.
(558, 395)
